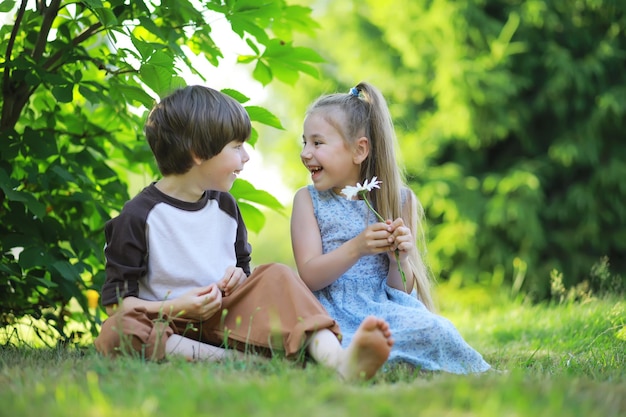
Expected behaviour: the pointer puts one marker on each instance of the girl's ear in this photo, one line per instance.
(361, 150)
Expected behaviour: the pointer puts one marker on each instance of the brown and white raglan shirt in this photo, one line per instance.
(159, 247)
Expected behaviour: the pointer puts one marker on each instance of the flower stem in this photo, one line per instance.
(396, 253)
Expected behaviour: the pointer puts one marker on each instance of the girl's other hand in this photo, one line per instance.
(400, 238)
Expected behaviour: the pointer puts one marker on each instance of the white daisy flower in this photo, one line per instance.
(351, 191)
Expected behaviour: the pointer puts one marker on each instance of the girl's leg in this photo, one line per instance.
(368, 351)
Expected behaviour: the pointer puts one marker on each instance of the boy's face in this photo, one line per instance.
(220, 172)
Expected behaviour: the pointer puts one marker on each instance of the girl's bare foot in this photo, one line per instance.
(368, 351)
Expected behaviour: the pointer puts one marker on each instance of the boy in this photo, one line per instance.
(178, 259)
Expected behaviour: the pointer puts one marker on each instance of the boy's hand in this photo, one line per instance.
(200, 303)
(233, 277)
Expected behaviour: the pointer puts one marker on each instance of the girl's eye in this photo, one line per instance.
(315, 143)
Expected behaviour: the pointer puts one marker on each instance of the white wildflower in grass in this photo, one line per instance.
(350, 192)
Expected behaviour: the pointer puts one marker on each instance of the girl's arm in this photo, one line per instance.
(403, 239)
(319, 270)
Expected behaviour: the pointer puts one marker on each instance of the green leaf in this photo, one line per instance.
(243, 24)
(63, 93)
(262, 115)
(94, 4)
(244, 190)
(288, 75)
(240, 97)
(246, 59)
(66, 270)
(279, 49)
(90, 95)
(145, 49)
(63, 173)
(160, 79)
(34, 256)
(252, 216)
(134, 94)
(106, 16)
(262, 73)
(31, 203)
(253, 46)
(6, 6)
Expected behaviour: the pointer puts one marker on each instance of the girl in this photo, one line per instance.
(346, 256)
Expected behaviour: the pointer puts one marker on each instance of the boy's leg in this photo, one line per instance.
(137, 333)
(272, 310)
(133, 332)
(193, 350)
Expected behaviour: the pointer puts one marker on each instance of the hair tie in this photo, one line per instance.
(354, 92)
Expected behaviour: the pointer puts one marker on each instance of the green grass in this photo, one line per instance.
(561, 360)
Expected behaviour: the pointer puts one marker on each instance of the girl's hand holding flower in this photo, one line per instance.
(398, 231)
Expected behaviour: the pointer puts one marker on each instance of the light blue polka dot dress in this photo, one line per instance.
(421, 338)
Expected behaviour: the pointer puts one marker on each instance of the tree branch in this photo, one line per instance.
(86, 34)
(7, 93)
(49, 14)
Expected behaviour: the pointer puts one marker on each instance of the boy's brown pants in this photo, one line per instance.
(272, 311)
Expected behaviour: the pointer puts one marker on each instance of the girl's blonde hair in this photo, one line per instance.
(364, 112)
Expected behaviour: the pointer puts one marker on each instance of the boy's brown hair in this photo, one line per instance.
(194, 121)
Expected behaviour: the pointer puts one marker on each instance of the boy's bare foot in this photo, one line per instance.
(368, 351)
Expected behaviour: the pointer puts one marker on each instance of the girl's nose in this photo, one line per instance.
(306, 153)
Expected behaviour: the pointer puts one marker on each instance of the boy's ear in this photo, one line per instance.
(361, 150)
(196, 160)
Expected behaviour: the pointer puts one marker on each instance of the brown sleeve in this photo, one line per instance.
(126, 251)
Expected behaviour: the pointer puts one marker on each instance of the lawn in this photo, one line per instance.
(558, 360)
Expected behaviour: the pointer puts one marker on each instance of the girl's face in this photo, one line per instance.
(219, 172)
(326, 155)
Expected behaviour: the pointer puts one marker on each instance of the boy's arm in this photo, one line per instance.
(125, 258)
(243, 250)
(197, 304)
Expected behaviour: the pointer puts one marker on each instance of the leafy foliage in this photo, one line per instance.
(77, 80)
(511, 119)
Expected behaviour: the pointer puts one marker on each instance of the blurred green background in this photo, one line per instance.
(511, 120)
